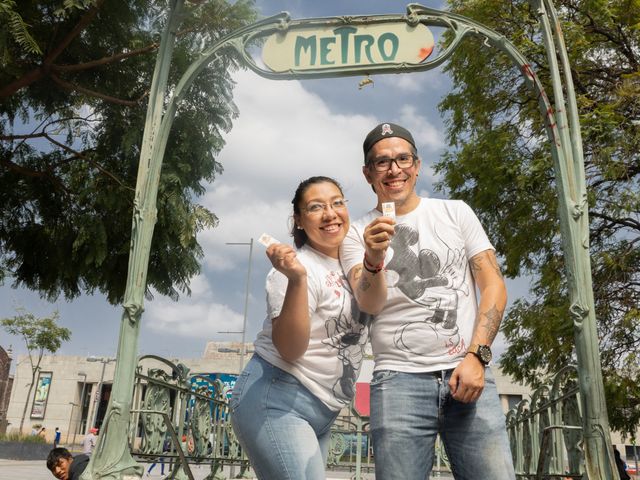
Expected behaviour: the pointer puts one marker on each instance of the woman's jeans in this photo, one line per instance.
(408, 410)
(283, 428)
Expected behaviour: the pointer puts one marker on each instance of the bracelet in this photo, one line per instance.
(374, 268)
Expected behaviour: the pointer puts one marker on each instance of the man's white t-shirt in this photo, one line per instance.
(428, 319)
(330, 366)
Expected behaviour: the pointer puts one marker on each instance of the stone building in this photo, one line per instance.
(79, 389)
(6, 382)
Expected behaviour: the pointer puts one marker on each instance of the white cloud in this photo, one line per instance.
(424, 133)
(274, 144)
(284, 135)
(195, 316)
(403, 82)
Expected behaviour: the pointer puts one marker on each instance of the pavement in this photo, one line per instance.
(37, 470)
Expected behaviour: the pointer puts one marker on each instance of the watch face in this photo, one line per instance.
(484, 353)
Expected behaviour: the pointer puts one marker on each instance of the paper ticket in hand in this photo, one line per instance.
(389, 209)
(267, 240)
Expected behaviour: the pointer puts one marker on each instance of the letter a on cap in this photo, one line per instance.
(386, 129)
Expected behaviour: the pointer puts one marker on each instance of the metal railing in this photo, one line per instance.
(191, 414)
(545, 432)
(190, 411)
(184, 419)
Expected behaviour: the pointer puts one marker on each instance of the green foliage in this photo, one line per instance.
(21, 437)
(70, 136)
(500, 163)
(40, 335)
(13, 29)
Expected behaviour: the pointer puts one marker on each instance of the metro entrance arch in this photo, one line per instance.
(359, 45)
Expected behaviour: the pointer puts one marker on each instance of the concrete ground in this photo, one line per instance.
(37, 470)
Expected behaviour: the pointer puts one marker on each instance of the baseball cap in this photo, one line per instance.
(386, 130)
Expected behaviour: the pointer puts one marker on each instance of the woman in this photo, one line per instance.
(309, 352)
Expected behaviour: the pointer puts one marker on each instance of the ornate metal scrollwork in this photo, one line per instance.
(157, 398)
(201, 424)
(337, 448)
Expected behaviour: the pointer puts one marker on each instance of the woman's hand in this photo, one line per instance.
(283, 258)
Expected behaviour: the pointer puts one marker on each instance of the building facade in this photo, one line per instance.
(72, 392)
(6, 382)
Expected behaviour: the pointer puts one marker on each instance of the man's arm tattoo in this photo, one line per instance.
(494, 264)
(492, 325)
(363, 283)
(474, 263)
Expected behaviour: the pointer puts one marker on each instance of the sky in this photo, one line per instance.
(286, 132)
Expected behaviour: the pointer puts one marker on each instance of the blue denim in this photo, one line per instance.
(283, 428)
(408, 410)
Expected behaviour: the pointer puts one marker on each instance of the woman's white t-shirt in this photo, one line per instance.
(330, 366)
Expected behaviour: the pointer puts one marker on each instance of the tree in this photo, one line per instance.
(500, 163)
(71, 123)
(40, 335)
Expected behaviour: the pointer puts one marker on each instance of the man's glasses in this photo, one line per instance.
(319, 208)
(383, 164)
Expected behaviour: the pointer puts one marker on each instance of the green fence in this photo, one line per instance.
(192, 412)
(545, 431)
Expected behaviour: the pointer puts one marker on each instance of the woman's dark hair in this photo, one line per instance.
(299, 235)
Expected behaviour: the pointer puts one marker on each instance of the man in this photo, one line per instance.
(64, 466)
(431, 340)
(89, 441)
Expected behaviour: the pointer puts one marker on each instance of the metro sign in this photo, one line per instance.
(316, 48)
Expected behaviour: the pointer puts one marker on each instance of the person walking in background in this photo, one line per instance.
(65, 466)
(56, 437)
(89, 442)
(417, 271)
(309, 352)
(620, 465)
(166, 447)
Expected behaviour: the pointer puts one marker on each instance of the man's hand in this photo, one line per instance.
(377, 237)
(467, 380)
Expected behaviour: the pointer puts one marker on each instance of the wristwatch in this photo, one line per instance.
(483, 352)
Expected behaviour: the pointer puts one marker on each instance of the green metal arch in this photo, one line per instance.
(112, 459)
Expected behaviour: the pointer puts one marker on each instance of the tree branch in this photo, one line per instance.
(626, 222)
(83, 156)
(41, 71)
(74, 154)
(104, 60)
(72, 87)
(27, 172)
(25, 136)
(85, 20)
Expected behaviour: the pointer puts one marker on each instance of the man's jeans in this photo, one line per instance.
(283, 428)
(409, 409)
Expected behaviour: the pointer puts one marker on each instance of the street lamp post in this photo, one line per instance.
(96, 402)
(243, 349)
(79, 424)
(73, 405)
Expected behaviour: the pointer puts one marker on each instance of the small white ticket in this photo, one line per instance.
(389, 209)
(267, 240)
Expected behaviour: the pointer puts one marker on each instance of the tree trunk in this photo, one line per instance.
(26, 403)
